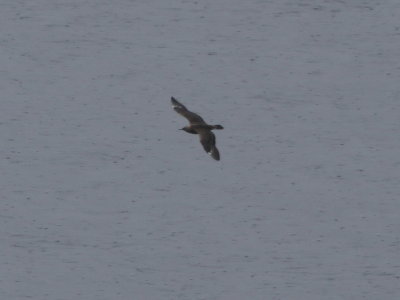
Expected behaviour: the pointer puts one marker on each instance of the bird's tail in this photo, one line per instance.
(217, 127)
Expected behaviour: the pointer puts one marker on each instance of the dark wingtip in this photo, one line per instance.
(174, 101)
(214, 153)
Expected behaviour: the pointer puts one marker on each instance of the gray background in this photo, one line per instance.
(101, 197)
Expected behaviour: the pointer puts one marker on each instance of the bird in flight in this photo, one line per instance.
(198, 126)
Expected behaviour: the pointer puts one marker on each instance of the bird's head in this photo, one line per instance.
(187, 129)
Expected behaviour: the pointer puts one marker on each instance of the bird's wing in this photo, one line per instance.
(214, 153)
(182, 110)
(207, 139)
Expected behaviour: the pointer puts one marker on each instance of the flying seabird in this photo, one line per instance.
(200, 127)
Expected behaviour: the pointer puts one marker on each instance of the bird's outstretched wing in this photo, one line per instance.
(207, 139)
(182, 110)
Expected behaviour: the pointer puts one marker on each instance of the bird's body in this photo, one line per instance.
(198, 126)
